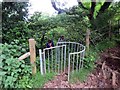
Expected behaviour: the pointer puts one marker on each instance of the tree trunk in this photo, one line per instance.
(87, 40)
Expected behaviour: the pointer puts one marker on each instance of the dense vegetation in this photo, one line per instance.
(17, 29)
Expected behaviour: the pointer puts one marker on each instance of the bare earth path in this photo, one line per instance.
(60, 81)
(95, 79)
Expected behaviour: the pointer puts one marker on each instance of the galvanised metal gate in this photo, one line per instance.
(66, 55)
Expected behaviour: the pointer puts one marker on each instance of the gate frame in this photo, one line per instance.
(42, 57)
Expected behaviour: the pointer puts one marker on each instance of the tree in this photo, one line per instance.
(12, 14)
(91, 9)
(58, 6)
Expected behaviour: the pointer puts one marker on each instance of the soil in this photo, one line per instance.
(96, 78)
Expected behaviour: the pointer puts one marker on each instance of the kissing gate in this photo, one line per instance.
(65, 56)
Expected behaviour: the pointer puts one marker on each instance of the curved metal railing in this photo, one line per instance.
(65, 56)
(75, 56)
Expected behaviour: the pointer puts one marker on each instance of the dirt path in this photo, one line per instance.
(93, 81)
(95, 78)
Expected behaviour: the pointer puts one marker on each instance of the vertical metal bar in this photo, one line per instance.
(72, 47)
(57, 44)
(69, 67)
(48, 61)
(65, 58)
(81, 47)
(77, 47)
(68, 48)
(62, 58)
(80, 61)
(73, 62)
(52, 59)
(44, 60)
(77, 62)
(41, 62)
(83, 57)
(58, 59)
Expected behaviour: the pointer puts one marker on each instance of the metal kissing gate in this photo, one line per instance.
(64, 56)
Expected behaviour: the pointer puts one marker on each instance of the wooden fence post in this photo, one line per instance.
(87, 40)
(32, 55)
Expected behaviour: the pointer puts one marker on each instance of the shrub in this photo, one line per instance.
(12, 70)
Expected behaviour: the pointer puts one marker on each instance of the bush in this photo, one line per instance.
(12, 69)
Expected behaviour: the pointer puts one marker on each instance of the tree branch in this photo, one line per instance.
(56, 8)
(92, 9)
(104, 6)
(80, 4)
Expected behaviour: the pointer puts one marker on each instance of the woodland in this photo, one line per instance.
(101, 67)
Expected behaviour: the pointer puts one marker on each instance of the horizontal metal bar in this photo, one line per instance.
(72, 43)
(69, 42)
(75, 53)
(78, 52)
(53, 47)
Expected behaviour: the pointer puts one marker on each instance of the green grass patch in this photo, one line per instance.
(36, 81)
(80, 76)
(39, 80)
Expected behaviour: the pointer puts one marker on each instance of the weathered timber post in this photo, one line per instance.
(87, 40)
(32, 55)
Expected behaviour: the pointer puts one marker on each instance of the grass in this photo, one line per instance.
(89, 61)
(80, 76)
(39, 80)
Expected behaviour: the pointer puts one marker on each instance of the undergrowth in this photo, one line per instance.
(89, 60)
(39, 80)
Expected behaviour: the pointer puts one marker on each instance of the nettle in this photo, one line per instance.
(12, 70)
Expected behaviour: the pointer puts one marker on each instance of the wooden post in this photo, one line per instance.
(87, 40)
(32, 55)
(24, 56)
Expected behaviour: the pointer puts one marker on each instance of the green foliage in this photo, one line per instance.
(12, 69)
(12, 15)
(17, 74)
(105, 44)
(25, 82)
(73, 25)
(79, 75)
(39, 80)
(18, 35)
(92, 55)
(89, 60)
(102, 20)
